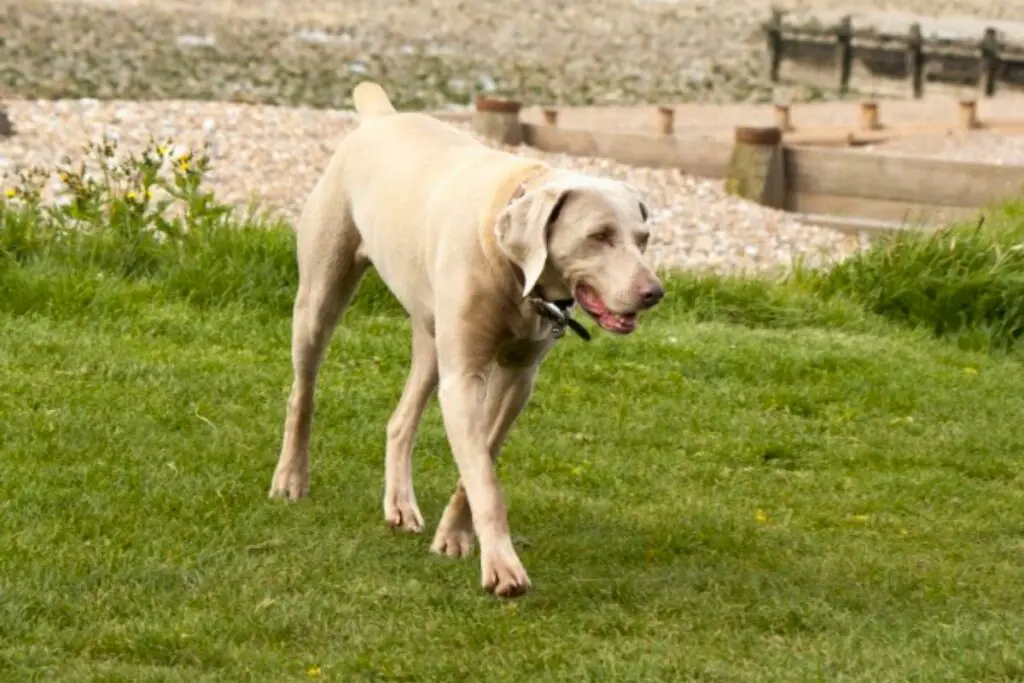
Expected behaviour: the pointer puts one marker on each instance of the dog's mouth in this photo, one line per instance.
(590, 301)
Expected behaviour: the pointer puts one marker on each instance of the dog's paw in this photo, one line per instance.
(503, 574)
(291, 483)
(455, 542)
(401, 512)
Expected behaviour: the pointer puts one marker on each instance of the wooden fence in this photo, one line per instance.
(848, 189)
(894, 52)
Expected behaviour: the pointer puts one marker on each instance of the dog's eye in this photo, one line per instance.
(642, 239)
(605, 235)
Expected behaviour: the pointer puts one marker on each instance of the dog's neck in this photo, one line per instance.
(556, 311)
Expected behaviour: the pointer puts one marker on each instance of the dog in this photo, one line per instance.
(488, 252)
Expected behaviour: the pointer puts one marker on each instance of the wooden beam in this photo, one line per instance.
(855, 225)
(846, 136)
(693, 156)
(898, 178)
(876, 209)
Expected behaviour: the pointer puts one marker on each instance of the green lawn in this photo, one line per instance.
(766, 482)
(137, 544)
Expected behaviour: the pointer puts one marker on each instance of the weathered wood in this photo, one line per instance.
(693, 156)
(6, 127)
(989, 65)
(968, 110)
(773, 37)
(782, 119)
(915, 60)
(869, 208)
(891, 47)
(869, 115)
(855, 225)
(666, 120)
(755, 170)
(498, 120)
(900, 179)
(844, 52)
(835, 136)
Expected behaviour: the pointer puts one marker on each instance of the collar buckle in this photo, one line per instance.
(558, 312)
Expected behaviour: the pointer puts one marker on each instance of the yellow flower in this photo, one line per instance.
(761, 516)
(183, 164)
(11, 193)
(162, 150)
(132, 195)
(149, 194)
(970, 371)
(313, 672)
(63, 176)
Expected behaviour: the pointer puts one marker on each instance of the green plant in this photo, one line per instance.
(964, 282)
(762, 484)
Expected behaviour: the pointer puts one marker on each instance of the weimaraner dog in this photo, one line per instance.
(487, 252)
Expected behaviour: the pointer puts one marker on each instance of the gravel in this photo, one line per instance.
(275, 154)
(216, 66)
(429, 52)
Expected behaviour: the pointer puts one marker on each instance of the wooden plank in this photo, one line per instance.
(876, 209)
(900, 178)
(693, 156)
(855, 226)
(848, 135)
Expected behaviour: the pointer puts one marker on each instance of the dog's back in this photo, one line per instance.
(407, 177)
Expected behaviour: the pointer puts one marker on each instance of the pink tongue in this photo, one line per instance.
(618, 322)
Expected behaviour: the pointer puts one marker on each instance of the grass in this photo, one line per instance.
(769, 481)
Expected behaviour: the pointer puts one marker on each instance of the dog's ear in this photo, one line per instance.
(522, 231)
(645, 212)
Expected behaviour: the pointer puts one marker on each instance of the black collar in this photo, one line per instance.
(558, 311)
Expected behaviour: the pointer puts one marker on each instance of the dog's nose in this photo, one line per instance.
(651, 294)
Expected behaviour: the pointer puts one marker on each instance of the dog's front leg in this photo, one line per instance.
(508, 390)
(463, 397)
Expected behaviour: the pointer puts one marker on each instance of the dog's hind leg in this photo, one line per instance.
(330, 268)
(400, 508)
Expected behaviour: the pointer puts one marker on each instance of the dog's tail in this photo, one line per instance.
(371, 100)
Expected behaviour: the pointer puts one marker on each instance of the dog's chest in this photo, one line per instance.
(522, 352)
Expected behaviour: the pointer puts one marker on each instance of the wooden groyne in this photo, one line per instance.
(895, 52)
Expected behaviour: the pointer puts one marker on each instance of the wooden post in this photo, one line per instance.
(498, 120)
(869, 115)
(915, 60)
(989, 66)
(550, 116)
(782, 120)
(773, 36)
(756, 170)
(968, 114)
(6, 127)
(666, 120)
(844, 52)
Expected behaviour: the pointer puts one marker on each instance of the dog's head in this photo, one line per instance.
(583, 237)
